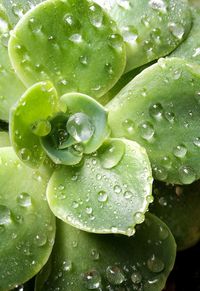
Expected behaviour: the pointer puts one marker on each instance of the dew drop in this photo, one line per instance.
(180, 151)
(156, 111)
(83, 60)
(146, 130)
(115, 275)
(40, 239)
(162, 201)
(75, 204)
(5, 215)
(136, 277)
(41, 127)
(160, 173)
(91, 279)
(176, 29)
(25, 154)
(130, 34)
(102, 196)
(169, 116)
(196, 142)
(128, 195)
(155, 265)
(17, 10)
(158, 5)
(117, 189)
(187, 175)
(34, 25)
(115, 41)
(128, 126)
(80, 127)
(67, 266)
(89, 210)
(96, 15)
(24, 199)
(163, 233)
(111, 153)
(124, 4)
(76, 38)
(139, 217)
(196, 52)
(94, 255)
(5, 38)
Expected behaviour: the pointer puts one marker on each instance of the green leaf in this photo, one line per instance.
(194, 3)
(108, 193)
(27, 227)
(4, 139)
(150, 28)
(82, 261)
(11, 87)
(29, 120)
(160, 109)
(190, 48)
(83, 50)
(178, 207)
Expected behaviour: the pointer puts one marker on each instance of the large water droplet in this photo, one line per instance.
(196, 142)
(76, 38)
(95, 15)
(24, 199)
(41, 127)
(95, 255)
(67, 266)
(155, 265)
(40, 239)
(139, 217)
(25, 154)
(115, 41)
(80, 127)
(5, 215)
(128, 126)
(111, 153)
(180, 151)
(136, 277)
(187, 175)
(156, 111)
(115, 275)
(176, 29)
(117, 189)
(91, 279)
(102, 196)
(146, 130)
(130, 34)
(34, 25)
(159, 5)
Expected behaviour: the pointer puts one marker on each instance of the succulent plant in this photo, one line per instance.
(91, 112)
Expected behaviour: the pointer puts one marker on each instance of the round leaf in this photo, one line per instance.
(150, 28)
(160, 109)
(82, 261)
(108, 193)
(83, 50)
(178, 207)
(36, 105)
(27, 227)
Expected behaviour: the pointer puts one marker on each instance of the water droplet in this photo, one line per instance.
(83, 60)
(117, 189)
(139, 217)
(124, 4)
(5, 38)
(146, 130)
(91, 279)
(180, 151)
(34, 25)
(67, 266)
(166, 162)
(17, 10)
(128, 195)
(145, 20)
(111, 153)
(187, 175)
(40, 239)
(163, 233)
(25, 154)
(130, 34)
(156, 111)
(196, 142)
(150, 198)
(89, 210)
(41, 127)
(136, 277)
(159, 5)
(196, 52)
(80, 127)
(96, 15)
(162, 201)
(155, 265)
(24, 199)
(115, 41)
(5, 215)
(115, 275)
(75, 204)
(4, 25)
(102, 196)
(76, 38)
(128, 125)
(94, 255)
(160, 173)
(170, 116)
(176, 29)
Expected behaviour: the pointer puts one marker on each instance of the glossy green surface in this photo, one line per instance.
(27, 226)
(83, 49)
(82, 261)
(160, 109)
(178, 207)
(150, 28)
(108, 193)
